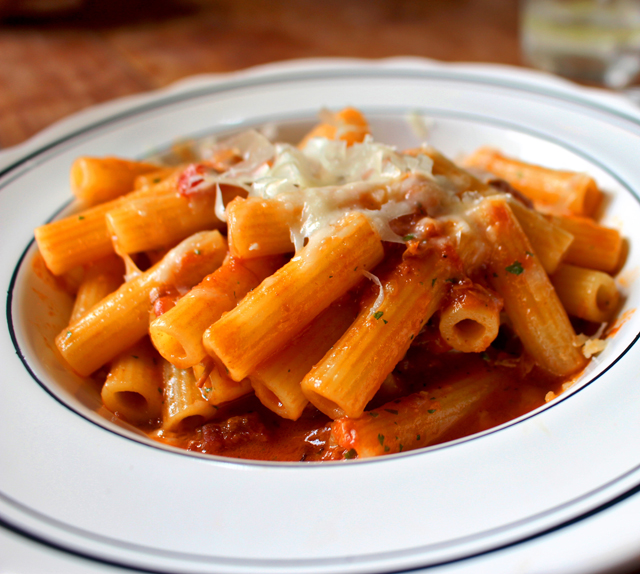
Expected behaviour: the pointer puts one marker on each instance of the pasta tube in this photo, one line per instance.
(562, 190)
(470, 321)
(550, 242)
(95, 180)
(459, 177)
(276, 382)
(586, 293)
(349, 375)
(151, 222)
(84, 237)
(122, 318)
(348, 124)
(530, 301)
(133, 389)
(177, 334)
(184, 405)
(100, 279)
(284, 304)
(417, 420)
(594, 246)
(259, 227)
(218, 388)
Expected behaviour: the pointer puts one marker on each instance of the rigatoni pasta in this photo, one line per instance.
(333, 299)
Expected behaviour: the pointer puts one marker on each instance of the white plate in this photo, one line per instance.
(74, 480)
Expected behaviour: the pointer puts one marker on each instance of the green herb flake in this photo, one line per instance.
(69, 333)
(408, 237)
(386, 448)
(432, 399)
(529, 253)
(135, 356)
(350, 454)
(401, 447)
(495, 274)
(515, 268)
(373, 414)
(485, 356)
(160, 390)
(196, 251)
(418, 437)
(378, 314)
(80, 217)
(392, 411)
(431, 411)
(157, 179)
(355, 268)
(451, 280)
(330, 276)
(433, 281)
(381, 439)
(385, 321)
(207, 389)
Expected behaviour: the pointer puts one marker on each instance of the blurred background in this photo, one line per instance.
(59, 56)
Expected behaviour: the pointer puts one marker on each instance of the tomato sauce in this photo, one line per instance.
(248, 430)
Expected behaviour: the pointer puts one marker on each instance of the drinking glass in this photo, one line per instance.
(593, 41)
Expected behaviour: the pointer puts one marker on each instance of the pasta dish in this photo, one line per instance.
(334, 299)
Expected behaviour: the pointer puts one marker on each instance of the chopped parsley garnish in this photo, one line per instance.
(69, 333)
(160, 390)
(485, 356)
(135, 356)
(392, 411)
(196, 251)
(80, 217)
(386, 448)
(208, 389)
(157, 179)
(381, 439)
(433, 281)
(529, 253)
(373, 414)
(350, 454)
(515, 268)
(451, 280)
(378, 314)
(401, 447)
(385, 321)
(418, 437)
(408, 237)
(431, 411)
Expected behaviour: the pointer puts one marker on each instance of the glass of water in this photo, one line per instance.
(595, 41)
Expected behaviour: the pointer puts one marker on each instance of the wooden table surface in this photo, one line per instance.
(54, 65)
